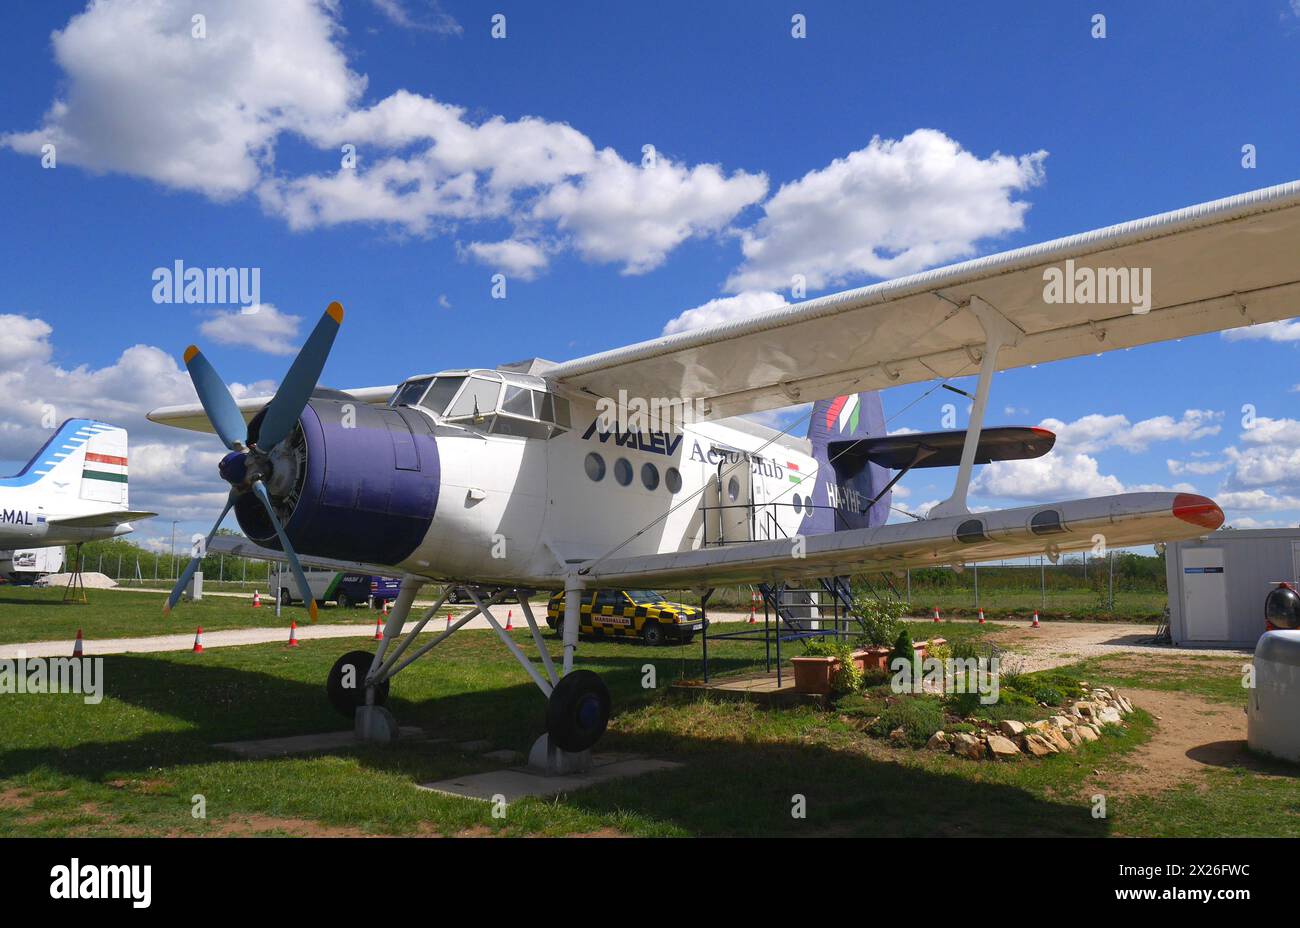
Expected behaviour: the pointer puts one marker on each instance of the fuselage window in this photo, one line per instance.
(733, 490)
(1047, 522)
(673, 480)
(595, 466)
(650, 476)
(798, 501)
(623, 471)
(971, 532)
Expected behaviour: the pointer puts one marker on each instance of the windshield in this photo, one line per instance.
(644, 597)
(409, 393)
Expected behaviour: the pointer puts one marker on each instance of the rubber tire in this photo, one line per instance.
(285, 598)
(578, 711)
(345, 601)
(652, 634)
(346, 701)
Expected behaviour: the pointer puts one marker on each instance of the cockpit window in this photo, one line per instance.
(409, 393)
(477, 400)
(440, 394)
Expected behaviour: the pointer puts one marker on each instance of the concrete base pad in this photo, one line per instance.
(518, 782)
(302, 744)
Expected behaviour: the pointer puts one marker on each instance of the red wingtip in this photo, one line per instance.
(1198, 510)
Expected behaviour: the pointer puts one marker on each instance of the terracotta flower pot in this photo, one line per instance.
(871, 658)
(814, 674)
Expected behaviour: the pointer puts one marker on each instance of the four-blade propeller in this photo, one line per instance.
(247, 465)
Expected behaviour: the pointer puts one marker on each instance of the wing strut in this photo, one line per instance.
(998, 331)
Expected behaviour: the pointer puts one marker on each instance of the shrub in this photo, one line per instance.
(848, 679)
(881, 619)
(918, 716)
(902, 647)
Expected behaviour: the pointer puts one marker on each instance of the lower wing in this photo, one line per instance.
(1113, 521)
(102, 519)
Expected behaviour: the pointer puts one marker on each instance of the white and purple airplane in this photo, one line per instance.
(520, 476)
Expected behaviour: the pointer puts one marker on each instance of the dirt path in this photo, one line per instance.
(1057, 643)
(1192, 735)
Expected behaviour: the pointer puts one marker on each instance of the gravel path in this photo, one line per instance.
(1056, 643)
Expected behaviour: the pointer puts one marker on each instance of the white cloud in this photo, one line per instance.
(143, 97)
(724, 309)
(1256, 500)
(1095, 432)
(635, 215)
(427, 17)
(891, 208)
(261, 327)
(1284, 330)
(1197, 468)
(516, 258)
(172, 472)
(1056, 475)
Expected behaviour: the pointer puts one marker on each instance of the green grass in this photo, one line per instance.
(31, 614)
(1079, 603)
(1215, 677)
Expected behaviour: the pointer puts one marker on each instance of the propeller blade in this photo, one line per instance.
(216, 399)
(295, 390)
(265, 497)
(193, 565)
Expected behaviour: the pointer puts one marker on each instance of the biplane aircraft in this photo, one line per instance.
(516, 477)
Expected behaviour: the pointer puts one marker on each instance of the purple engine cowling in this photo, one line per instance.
(353, 482)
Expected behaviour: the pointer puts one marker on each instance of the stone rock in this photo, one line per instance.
(898, 735)
(1036, 746)
(1074, 737)
(1062, 722)
(1124, 705)
(1086, 732)
(1041, 725)
(1109, 716)
(1011, 728)
(1084, 709)
(938, 742)
(1002, 748)
(967, 745)
(1056, 739)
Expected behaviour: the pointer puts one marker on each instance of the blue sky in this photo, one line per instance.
(222, 155)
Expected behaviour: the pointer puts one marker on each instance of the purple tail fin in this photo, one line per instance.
(844, 488)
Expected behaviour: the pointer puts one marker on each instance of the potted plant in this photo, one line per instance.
(825, 668)
(882, 621)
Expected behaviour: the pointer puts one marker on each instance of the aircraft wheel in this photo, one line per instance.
(578, 711)
(346, 699)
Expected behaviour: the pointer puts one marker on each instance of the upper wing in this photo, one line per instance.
(1219, 265)
(1120, 521)
(191, 415)
(101, 519)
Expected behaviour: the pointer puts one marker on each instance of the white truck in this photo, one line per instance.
(25, 565)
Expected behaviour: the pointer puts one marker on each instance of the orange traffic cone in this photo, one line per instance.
(198, 640)
(257, 600)
(379, 634)
(293, 634)
(1034, 624)
(509, 615)
(388, 605)
(981, 616)
(448, 620)
(76, 647)
(936, 613)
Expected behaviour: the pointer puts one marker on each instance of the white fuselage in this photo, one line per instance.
(515, 510)
(27, 515)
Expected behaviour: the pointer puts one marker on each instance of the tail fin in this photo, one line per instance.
(85, 460)
(846, 486)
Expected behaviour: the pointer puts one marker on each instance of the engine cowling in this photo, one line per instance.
(353, 482)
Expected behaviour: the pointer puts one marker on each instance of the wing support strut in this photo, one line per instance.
(998, 331)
